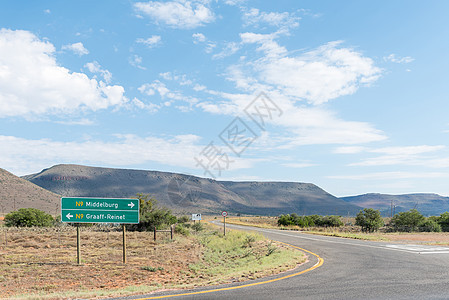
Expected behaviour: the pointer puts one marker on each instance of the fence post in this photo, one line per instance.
(155, 233)
(171, 232)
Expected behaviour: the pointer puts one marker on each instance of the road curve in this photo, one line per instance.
(352, 269)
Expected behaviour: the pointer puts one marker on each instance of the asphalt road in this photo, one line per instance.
(352, 269)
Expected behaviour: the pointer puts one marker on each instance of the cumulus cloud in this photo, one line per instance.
(317, 76)
(33, 83)
(151, 41)
(77, 48)
(95, 67)
(177, 14)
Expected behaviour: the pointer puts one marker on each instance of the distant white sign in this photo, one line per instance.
(196, 217)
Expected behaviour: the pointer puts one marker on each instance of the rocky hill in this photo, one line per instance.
(427, 204)
(189, 194)
(16, 193)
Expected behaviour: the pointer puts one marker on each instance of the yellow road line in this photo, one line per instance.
(318, 264)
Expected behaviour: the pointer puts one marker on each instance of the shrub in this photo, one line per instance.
(197, 227)
(369, 219)
(183, 219)
(28, 217)
(331, 221)
(407, 221)
(443, 220)
(429, 225)
(181, 229)
(151, 216)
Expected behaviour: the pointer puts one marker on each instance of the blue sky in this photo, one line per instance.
(349, 95)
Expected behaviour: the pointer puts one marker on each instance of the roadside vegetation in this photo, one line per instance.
(40, 262)
(410, 226)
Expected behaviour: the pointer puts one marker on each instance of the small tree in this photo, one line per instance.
(28, 217)
(443, 220)
(429, 225)
(369, 219)
(407, 221)
(331, 221)
(151, 216)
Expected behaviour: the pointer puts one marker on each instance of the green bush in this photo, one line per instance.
(197, 227)
(181, 229)
(183, 219)
(331, 221)
(151, 216)
(429, 225)
(407, 221)
(443, 220)
(369, 219)
(309, 221)
(28, 217)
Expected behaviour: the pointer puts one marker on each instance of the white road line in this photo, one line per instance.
(414, 250)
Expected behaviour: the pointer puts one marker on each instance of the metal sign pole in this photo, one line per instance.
(124, 243)
(78, 244)
(224, 225)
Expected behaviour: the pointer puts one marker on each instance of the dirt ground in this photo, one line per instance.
(43, 262)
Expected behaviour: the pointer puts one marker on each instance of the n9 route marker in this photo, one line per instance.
(99, 210)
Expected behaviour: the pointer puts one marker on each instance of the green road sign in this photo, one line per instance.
(99, 210)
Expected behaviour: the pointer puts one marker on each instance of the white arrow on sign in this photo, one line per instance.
(131, 205)
(69, 216)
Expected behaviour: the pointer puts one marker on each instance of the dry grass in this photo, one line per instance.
(41, 263)
(350, 231)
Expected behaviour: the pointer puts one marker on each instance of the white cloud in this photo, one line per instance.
(126, 150)
(229, 49)
(390, 175)
(150, 42)
(178, 14)
(298, 165)
(47, 11)
(150, 107)
(317, 76)
(198, 38)
(304, 125)
(136, 61)
(33, 83)
(406, 155)
(150, 89)
(350, 150)
(77, 48)
(82, 122)
(24, 156)
(283, 20)
(95, 67)
(235, 2)
(182, 79)
(399, 60)
(201, 38)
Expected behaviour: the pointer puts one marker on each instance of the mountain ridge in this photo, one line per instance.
(426, 203)
(190, 194)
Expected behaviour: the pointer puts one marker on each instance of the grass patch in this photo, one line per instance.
(41, 263)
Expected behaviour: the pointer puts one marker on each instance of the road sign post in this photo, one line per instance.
(99, 210)
(196, 217)
(224, 214)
